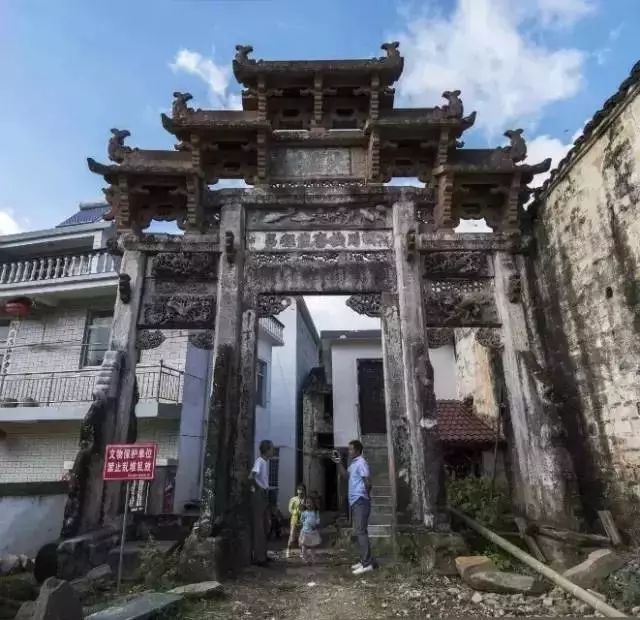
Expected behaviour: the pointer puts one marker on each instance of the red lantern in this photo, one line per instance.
(18, 307)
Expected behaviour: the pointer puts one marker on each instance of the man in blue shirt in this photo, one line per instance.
(359, 502)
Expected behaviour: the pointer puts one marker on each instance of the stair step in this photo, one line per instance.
(379, 531)
(379, 520)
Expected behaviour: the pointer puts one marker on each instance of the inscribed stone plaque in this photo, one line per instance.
(358, 240)
(317, 163)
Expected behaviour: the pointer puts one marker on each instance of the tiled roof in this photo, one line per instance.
(88, 214)
(458, 424)
(596, 120)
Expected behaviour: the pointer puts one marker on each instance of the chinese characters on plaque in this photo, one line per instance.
(134, 461)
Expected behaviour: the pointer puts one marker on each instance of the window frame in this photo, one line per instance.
(92, 315)
(262, 373)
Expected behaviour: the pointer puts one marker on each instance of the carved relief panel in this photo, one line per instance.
(180, 290)
(460, 303)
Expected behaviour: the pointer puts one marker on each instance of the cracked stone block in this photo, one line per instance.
(597, 567)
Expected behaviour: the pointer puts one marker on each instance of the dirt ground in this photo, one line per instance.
(290, 590)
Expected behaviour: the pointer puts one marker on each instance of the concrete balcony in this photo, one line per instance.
(273, 330)
(80, 273)
(66, 395)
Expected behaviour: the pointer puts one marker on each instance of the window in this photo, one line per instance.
(261, 383)
(96, 339)
(274, 469)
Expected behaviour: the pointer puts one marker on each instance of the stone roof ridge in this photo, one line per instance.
(598, 118)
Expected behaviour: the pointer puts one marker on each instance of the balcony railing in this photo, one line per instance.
(273, 327)
(160, 383)
(45, 269)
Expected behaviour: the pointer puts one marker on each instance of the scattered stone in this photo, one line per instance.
(57, 601)
(438, 551)
(9, 564)
(506, 583)
(597, 567)
(476, 598)
(204, 589)
(142, 607)
(635, 611)
(469, 564)
(78, 555)
(547, 601)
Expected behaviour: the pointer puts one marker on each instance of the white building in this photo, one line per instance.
(49, 360)
(281, 420)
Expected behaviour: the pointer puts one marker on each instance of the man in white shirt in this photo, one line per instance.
(359, 502)
(259, 478)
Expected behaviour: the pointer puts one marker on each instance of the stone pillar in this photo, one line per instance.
(398, 427)
(420, 401)
(123, 340)
(226, 453)
(541, 464)
(193, 417)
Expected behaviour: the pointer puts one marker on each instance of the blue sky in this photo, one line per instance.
(71, 70)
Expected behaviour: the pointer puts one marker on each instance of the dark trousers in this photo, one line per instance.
(360, 511)
(260, 524)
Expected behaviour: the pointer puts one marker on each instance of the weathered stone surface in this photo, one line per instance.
(597, 567)
(143, 607)
(99, 578)
(199, 558)
(131, 557)
(26, 611)
(78, 555)
(204, 589)
(505, 583)
(57, 601)
(437, 551)
(466, 565)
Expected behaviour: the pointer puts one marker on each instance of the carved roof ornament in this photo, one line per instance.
(116, 148)
(367, 304)
(242, 53)
(489, 338)
(179, 107)
(439, 337)
(517, 150)
(270, 305)
(392, 48)
(454, 107)
(202, 340)
(149, 339)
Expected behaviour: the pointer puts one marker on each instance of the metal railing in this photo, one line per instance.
(273, 327)
(159, 383)
(45, 269)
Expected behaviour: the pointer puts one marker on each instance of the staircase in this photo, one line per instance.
(376, 454)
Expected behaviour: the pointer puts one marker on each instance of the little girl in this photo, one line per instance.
(309, 536)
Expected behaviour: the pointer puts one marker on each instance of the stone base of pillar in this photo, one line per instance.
(433, 551)
(201, 559)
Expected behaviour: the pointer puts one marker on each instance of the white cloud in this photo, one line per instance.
(486, 49)
(8, 225)
(331, 312)
(555, 13)
(216, 77)
(544, 146)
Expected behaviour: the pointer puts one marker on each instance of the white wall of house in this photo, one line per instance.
(29, 522)
(290, 366)
(344, 378)
(263, 412)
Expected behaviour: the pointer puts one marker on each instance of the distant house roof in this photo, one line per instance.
(89, 213)
(459, 425)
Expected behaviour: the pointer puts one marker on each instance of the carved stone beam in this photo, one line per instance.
(374, 101)
(439, 337)
(367, 304)
(270, 305)
(149, 339)
(202, 339)
(443, 215)
(489, 338)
